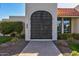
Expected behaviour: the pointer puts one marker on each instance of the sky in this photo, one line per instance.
(67, 5)
(11, 9)
(18, 9)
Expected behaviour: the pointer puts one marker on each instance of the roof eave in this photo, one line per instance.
(67, 16)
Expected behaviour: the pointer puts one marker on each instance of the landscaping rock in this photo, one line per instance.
(67, 54)
(7, 44)
(4, 45)
(76, 41)
(63, 47)
(4, 54)
(15, 49)
(1, 34)
(11, 43)
(7, 35)
(63, 43)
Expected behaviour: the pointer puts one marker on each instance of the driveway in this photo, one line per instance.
(40, 48)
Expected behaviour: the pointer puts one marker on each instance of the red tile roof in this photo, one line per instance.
(67, 12)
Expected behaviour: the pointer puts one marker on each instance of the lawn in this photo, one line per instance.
(74, 46)
(4, 39)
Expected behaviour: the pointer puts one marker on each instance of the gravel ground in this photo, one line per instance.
(63, 47)
(14, 49)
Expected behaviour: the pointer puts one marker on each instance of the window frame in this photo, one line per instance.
(67, 19)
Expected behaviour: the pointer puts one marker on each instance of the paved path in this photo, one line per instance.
(40, 48)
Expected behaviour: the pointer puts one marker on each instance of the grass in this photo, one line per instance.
(4, 39)
(74, 46)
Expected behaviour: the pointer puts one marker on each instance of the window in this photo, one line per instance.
(67, 25)
(63, 25)
(59, 25)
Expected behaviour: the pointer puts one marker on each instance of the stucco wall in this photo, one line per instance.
(32, 7)
(75, 25)
(17, 18)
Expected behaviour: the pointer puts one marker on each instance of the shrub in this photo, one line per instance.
(11, 27)
(4, 39)
(75, 36)
(13, 40)
(15, 34)
(68, 36)
(64, 36)
(22, 36)
(18, 27)
(6, 27)
(75, 53)
(70, 39)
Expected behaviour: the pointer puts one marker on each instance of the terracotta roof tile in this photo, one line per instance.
(67, 12)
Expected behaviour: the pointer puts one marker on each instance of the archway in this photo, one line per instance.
(41, 25)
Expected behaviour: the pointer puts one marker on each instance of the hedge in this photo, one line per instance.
(9, 27)
(68, 36)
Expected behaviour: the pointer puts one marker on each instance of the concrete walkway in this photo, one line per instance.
(40, 48)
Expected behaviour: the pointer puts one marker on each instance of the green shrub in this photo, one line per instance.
(13, 40)
(18, 27)
(6, 27)
(70, 39)
(4, 39)
(22, 36)
(75, 36)
(64, 36)
(13, 34)
(74, 53)
(74, 46)
(11, 27)
(68, 36)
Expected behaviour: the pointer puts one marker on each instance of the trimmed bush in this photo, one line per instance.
(75, 36)
(63, 36)
(11, 27)
(18, 27)
(68, 36)
(6, 27)
(4, 39)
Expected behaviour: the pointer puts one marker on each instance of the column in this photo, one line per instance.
(62, 26)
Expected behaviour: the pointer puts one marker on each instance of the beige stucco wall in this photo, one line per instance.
(32, 7)
(17, 18)
(75, 25)
(5, 19)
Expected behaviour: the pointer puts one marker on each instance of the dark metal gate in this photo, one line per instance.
(41, 25)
